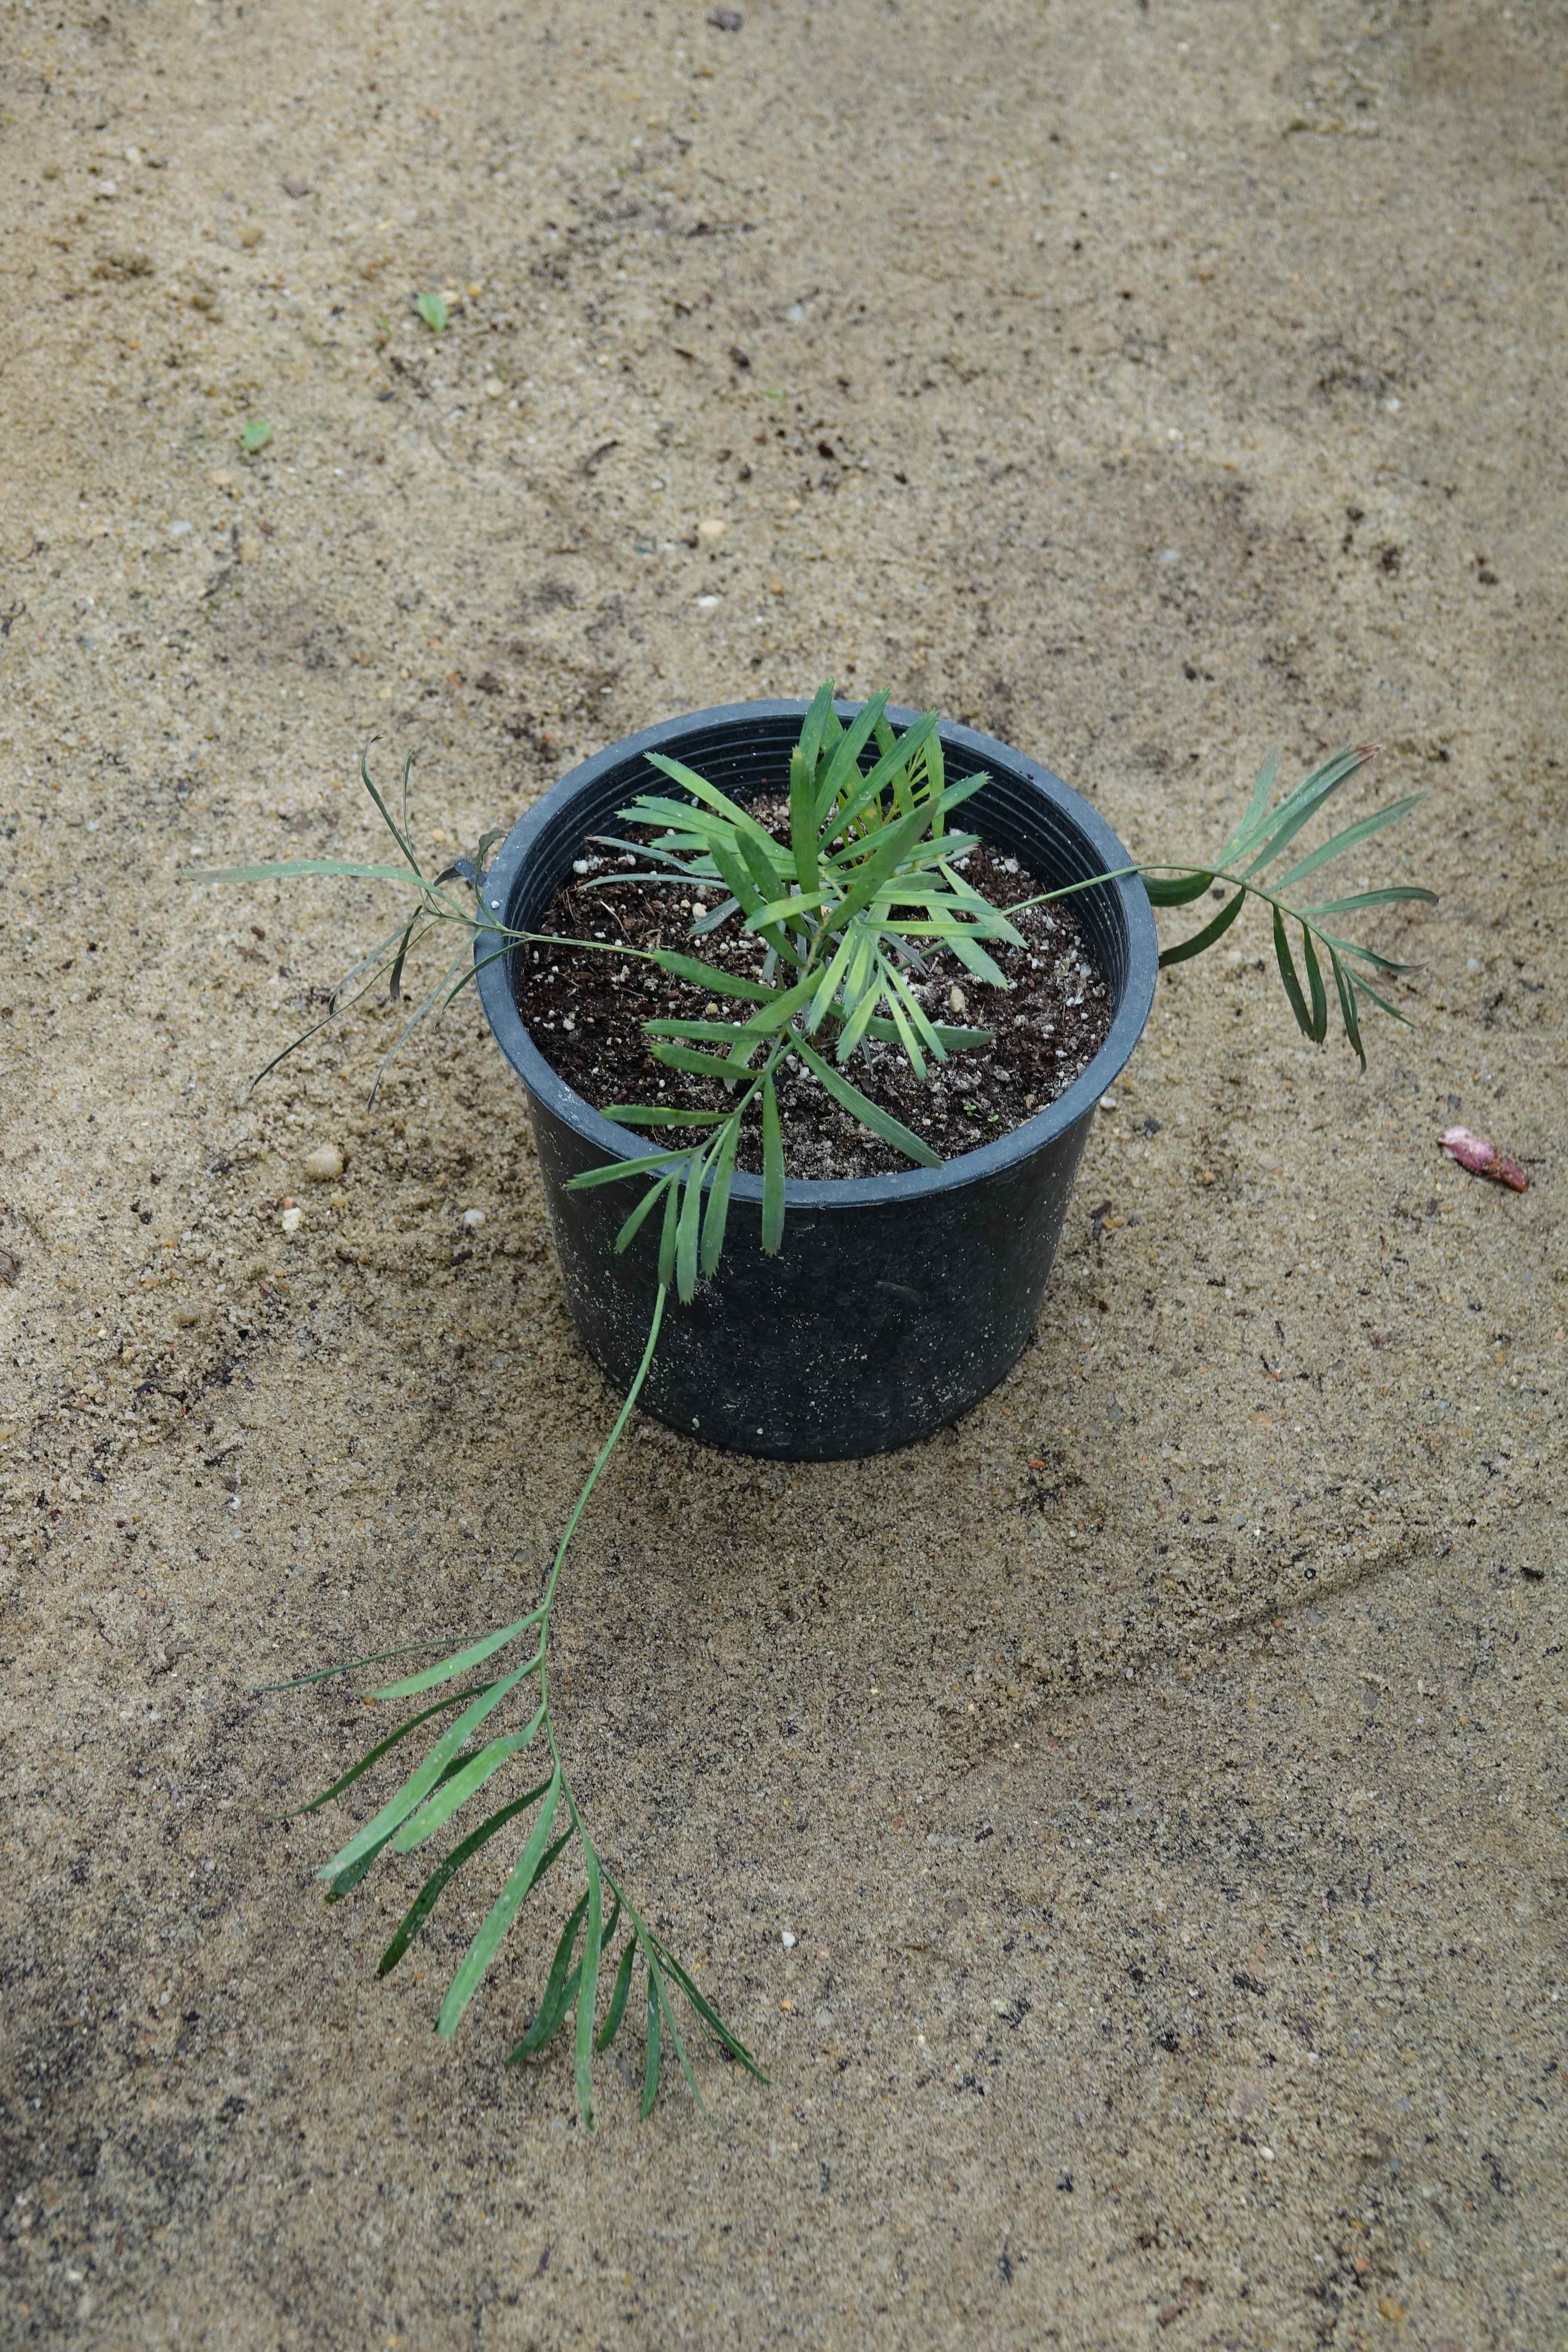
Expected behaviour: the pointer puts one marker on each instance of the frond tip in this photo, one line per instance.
(1262, 835)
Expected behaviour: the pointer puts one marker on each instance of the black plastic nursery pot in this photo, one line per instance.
(895, 1301)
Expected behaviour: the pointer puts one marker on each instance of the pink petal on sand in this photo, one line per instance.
(1480, 1155)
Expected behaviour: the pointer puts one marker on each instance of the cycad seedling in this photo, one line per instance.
(847, 909)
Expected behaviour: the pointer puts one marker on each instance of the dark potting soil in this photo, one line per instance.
(585, 1011)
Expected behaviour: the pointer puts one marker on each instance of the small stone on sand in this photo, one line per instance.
(325, 1164)
(711, 526)
(473, 1219)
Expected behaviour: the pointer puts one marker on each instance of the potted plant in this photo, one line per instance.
(822, 931)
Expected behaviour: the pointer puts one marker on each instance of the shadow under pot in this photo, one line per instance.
(896, 1300)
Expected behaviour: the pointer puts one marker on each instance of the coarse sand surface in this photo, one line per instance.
(1160, 1774)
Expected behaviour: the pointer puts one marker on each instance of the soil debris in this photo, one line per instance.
(1480, 1155)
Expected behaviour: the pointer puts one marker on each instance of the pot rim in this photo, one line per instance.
(493, 975)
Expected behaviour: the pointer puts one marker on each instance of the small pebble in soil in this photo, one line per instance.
(787, 1939)
(325, 1164)
(473, 1219)
(290, 1220)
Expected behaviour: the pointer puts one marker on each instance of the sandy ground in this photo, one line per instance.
(1173, 1835)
